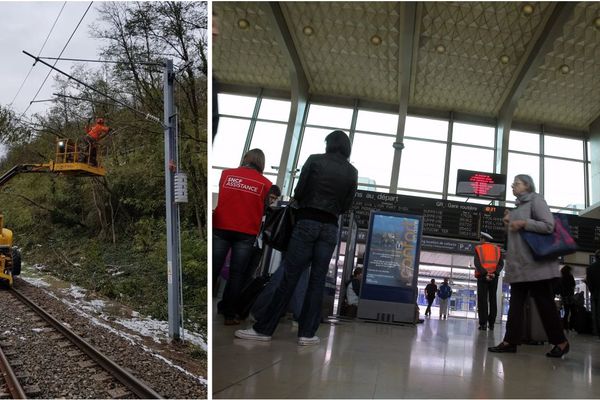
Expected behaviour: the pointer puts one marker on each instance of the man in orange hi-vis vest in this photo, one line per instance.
(488, 264)
(93, 135)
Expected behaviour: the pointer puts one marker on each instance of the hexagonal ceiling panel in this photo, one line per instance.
(465, 56)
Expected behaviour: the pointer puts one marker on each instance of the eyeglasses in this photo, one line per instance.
(516, 183)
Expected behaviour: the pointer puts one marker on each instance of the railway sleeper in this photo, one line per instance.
(32, 390)
(120, 393)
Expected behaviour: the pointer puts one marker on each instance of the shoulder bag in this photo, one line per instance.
(279, 226)
(550, 246)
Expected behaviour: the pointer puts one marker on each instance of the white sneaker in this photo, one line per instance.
(308, 341)
(251, 334)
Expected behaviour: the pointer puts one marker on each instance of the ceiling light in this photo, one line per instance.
(597, 22)
(376, 40)
(564, 69)
(527, 9)
(440, 48)
(243, 23)
(504, 59)
(308, 30)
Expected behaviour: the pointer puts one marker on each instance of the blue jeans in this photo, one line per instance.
(312, 244)
(264, 299)
(242, 248)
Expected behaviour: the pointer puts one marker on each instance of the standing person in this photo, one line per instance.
(430, 292)
(93, 135)
(567, 292)
(488, 264)
(528, 276)
(325, 189)
(353, 292)
(592, 279)
(444, 294)
(236, 222)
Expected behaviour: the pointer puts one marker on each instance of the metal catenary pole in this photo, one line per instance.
(171, 163)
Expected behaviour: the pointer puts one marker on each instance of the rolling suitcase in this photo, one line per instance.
(533, 330)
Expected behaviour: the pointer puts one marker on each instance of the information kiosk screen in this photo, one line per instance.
(392, 256)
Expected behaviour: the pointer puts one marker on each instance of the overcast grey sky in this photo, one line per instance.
(25, 26)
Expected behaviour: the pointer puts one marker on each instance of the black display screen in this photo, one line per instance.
(458, 220)
(480, 184)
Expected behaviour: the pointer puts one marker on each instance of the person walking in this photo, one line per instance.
(528, 276)
(444, 294)
(430, 292)
(592, 279)
(488, 264)
(236, 222)
(325, 190)
(567, 294)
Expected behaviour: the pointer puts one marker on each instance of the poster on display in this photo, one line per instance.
(392, 257)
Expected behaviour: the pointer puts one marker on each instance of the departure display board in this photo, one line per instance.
(480, 184)
(440, 217)
(458, 220)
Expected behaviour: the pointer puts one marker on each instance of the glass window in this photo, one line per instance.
(421, 172)
(231, 104)
(470, 158)
(473, 134)
(228, 144)
(329, 116)
(524, 141)
(377, 122)
(563, 183)
(373, 156)
(521, 164)
(313, 142)
(420, 194)
(426, 128)
(215, 175)
(563, 147)
(276, 110)
(590, 183)
(269, 137)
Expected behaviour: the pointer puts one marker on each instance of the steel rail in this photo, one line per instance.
(139, 388)
(14, 387)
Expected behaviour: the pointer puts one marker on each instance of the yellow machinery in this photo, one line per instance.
(73, 158)
(10, 258)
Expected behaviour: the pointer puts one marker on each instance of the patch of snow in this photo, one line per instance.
(76, 292)
(38, 330)
(35, 281)
(154, 329)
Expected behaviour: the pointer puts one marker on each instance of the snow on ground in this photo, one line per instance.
(148, 327)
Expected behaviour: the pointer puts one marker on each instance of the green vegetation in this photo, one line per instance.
(108, 234)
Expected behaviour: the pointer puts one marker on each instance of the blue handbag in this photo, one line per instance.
(552, 245)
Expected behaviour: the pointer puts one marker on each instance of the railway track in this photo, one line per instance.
(88, 369)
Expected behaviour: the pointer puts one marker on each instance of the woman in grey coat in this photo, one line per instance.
(528, 276)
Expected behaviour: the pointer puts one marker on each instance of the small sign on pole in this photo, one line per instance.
(181, 188)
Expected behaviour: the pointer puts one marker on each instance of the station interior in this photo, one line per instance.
(423, 89)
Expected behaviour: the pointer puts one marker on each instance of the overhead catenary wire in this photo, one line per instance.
(40, 52)
(62, 51)
(146, 115)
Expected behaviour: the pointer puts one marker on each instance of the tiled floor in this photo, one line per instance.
(436, 359)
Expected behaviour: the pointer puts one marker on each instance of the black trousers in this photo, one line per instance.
(543, 294)
(429, 303)
(487, 307)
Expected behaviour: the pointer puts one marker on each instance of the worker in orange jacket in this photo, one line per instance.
(488, 264)
(93, 135)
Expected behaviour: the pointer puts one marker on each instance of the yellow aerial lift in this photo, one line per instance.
(73, 158)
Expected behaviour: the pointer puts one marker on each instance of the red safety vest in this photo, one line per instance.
(98, 132)
(489, 255)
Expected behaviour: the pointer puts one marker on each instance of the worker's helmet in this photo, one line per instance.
(100, 121)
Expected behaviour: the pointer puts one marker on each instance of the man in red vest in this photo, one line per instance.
(488, 264)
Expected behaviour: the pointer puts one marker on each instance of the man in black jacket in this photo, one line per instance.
(325, 190)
